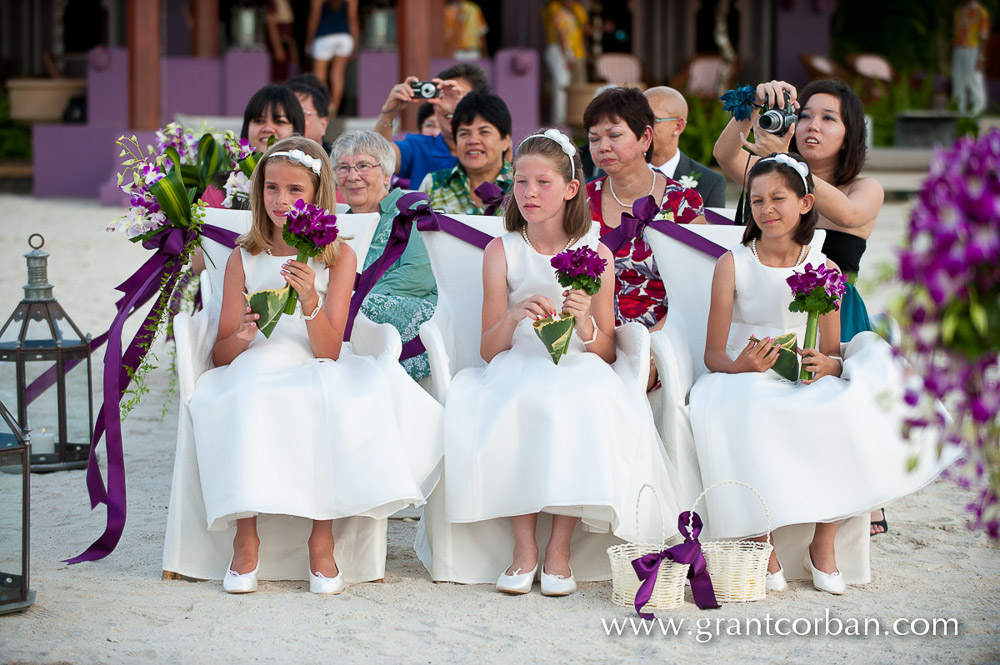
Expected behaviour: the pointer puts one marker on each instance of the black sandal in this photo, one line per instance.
(882, 523)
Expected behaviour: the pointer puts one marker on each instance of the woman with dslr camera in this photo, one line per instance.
(829, 133)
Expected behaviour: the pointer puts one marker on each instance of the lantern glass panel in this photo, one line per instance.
(43, 411)
(38, 334)
(64, 331)
(11, 334)
(11, 517)
(77, 402)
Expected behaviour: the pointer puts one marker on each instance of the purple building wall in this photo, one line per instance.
(804, 28)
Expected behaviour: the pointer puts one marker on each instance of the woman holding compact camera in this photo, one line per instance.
(829, 132)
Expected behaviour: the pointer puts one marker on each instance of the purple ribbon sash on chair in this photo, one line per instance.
(160, 272)
(689, 552)
(643, 211)
(414, 209)
(492, 197)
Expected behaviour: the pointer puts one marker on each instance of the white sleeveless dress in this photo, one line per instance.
(281, 432)
(818, 452)
(524, 435)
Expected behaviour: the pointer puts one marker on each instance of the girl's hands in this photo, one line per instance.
(758, 356)
(820, 365)
(302, 278)
(537, 307)
(248, 325)
(577, 303)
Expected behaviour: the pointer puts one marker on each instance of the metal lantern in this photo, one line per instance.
(14, 495)
(41, 349)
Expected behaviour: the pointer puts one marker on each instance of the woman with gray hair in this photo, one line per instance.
(406, 295)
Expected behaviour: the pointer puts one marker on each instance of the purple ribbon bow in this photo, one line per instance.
(492, 196)
(160, 270)
(689, 552)
(414, 208)
(633, 224)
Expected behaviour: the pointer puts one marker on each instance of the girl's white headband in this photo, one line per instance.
(799, 167)
(560, 138)
(302, 158)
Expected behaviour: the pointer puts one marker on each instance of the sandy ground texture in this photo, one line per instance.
(119, 610)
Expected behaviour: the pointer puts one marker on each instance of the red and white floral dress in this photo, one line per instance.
(639, 293)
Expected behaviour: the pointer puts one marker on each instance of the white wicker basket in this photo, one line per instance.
(738, 568)
(668, 591)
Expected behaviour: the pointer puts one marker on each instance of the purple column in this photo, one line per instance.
(516, 80)
(378, 71)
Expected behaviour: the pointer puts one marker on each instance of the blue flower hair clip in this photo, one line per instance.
(739, 102)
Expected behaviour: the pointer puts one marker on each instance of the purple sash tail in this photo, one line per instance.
(689, 552)
(644, 210)
(163, 269)
(492, 197)
(414, 208)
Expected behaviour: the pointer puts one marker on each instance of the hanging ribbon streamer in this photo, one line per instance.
(643, 211)
(159, 273)
(689, 552)
(414, 209)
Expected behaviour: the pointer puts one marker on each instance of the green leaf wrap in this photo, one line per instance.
(268, 305)
(787, 365)
(555, 334)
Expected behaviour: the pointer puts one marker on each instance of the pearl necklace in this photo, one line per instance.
(753, 250)
(524, 234)
(611, 188)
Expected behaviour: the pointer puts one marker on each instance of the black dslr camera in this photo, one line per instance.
(778, 121)
(424, 89)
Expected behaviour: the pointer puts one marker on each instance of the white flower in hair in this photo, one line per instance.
(562, 140)
(299, 157)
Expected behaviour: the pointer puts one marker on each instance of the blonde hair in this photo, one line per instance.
(258, 238)
(576, 219)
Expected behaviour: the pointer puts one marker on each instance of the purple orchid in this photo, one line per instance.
(579, 269)
(950, 313)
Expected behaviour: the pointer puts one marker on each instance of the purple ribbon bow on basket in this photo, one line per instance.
(689, 552)
(644, 211)
(160, 272)
(492, 196)
(414, 209)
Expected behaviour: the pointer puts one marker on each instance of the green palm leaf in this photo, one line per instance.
(173, 198)
(210, 156)
(268, 305)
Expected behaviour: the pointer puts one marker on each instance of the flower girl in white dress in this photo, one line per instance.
(524, 435)
(295, 424)
(818, 451)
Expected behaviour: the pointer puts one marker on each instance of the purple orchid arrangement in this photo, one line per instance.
(309, 229)
(950, 314)
(816, 291)
(579, 269)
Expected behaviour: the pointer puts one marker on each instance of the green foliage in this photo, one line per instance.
(893, 99)
(705, 123)
(15, 140)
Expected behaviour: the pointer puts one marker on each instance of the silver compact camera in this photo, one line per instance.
(424, 89)
(778, 121)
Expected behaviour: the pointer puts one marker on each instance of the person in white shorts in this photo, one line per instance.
(333, 30)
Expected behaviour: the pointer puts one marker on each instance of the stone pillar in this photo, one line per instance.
(419, 24)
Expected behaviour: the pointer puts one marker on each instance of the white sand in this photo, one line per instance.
(119, 610)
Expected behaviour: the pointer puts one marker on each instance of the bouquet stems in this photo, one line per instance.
(293, 295)
(812, 323)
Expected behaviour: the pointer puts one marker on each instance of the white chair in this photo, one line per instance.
(679, 352)
(474, 553)
(189, 549)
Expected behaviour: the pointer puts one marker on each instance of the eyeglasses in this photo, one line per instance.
(676, 117)
(363, 169)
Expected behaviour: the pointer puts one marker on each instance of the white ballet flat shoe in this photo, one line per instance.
(557, 585)
(518, 582)
(235, 582)
(775, 581)
(320, 583)
(829, 582)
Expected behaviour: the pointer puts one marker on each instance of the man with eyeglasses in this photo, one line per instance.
(417, 154)
(671, 109)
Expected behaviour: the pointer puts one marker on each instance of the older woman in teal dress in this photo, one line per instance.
(406, 295)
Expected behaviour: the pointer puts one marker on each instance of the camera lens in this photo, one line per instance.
(771, 121)
(428, 90)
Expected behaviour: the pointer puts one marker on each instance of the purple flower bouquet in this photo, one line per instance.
(815, 291)
(309, 229)
(575, 269)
